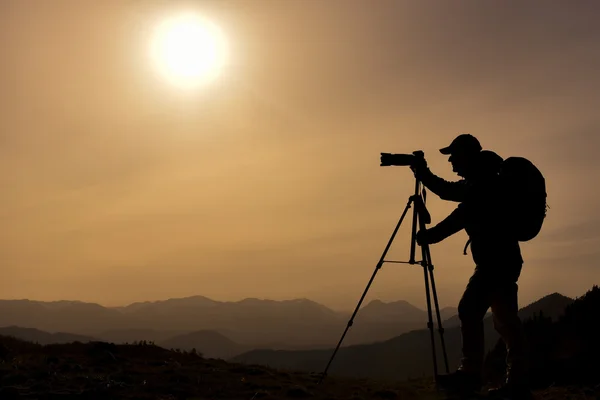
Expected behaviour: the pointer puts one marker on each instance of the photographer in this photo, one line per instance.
(497, 258)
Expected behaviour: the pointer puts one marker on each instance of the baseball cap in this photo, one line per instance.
(463, 143)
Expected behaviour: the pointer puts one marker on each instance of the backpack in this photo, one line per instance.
(524, 194)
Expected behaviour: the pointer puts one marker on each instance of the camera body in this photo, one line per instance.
(390, 159)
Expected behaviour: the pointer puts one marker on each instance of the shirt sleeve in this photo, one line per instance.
(446, 190)
(450, 225)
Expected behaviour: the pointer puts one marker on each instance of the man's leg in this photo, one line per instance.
(508, 324)
(471, 310)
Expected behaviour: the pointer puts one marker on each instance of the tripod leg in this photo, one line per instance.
(379, 265)
(429, 265)
(413, 239)
(427, 254)
(423, 217)
(429, 313)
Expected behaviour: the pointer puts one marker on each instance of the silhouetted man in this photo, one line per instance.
(497, 258)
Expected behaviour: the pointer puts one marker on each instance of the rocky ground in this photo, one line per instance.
(107, 371)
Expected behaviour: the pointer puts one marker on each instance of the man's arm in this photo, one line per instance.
(452, 224)
(446, 190)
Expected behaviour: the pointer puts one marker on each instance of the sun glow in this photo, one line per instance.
(189, 50)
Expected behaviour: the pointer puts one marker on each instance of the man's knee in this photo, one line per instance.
(475, 301)
(506, 320)
(471, 311)
(505, 308)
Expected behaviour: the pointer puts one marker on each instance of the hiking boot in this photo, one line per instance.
(460, 381)
(511, 392)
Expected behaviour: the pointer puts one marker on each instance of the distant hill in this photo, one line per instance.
(120, 336)
(552, 306)
(454, 321)
(408, 355)
(66, 316)
(564, 349)
(166, 306)
(379, 311)
(290, 324)
(379, 321)
(448, 312)
(41, 337)
(210, 344)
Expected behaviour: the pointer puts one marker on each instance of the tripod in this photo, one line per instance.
(422, 217)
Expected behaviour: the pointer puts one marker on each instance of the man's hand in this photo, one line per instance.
(422, 237)
(452, 224)
(419, 165)
(428, 236)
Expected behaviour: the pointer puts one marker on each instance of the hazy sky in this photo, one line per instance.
(118, 187)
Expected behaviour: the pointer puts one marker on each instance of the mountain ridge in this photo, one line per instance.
(222, 344)
(398, 357)
(295, 323)
(208, 299)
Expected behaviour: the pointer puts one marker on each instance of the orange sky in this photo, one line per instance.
(117, 187)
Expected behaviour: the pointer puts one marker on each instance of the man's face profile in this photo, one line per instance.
(460, 163)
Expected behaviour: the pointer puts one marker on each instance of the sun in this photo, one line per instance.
(188, 50)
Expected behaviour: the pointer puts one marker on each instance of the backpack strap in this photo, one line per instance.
(466, 246)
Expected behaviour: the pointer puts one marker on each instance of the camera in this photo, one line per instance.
(390, 159)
